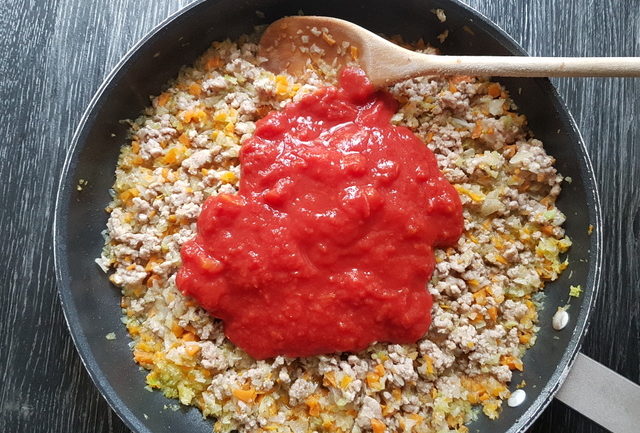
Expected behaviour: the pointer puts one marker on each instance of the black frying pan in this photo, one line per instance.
(91, 303)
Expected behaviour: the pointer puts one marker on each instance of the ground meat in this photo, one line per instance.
(301, 389)
(370, 409)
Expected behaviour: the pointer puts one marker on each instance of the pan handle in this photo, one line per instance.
(602, 395)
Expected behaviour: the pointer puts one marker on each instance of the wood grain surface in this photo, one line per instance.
(55, 53)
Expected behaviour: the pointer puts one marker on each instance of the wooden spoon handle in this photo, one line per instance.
(521, 66)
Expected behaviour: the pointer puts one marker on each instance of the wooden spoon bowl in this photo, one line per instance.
(291, 43)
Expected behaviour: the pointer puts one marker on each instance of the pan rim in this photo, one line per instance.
(65, 188)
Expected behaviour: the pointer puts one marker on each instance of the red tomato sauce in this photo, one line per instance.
(328, 245)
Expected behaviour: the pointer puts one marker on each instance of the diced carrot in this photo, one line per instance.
(472, 195)
(387, 409)
(518, 365)
(195, 89)
(189, 336)
(429, 138)
(151, 279)
(228, 177)
(192, 349)
(547, 229)
(509, 150)
(329, 378)
(177, 330)
(345, 381)
(414, 416)
(377, 426)
(313, 404)
(165, 173)
(196, 115)
(353, 50)
(133, 329)
(497, 242)
(184, 139)
(475, 319)
(451, 420)
(135, 146)
(128, 194)
(372, 379)
(493, 313)
(151, 263)
(511, 362)
(142, 357)
(282, 85)
(546, 200)
(163, 99)
(328, 39)
(174, 155)
(460, 78)
(480, 297)
(496, 391)
(494, 90)
(220, 116)
(246, 395)
(212, 63)
(429, 363)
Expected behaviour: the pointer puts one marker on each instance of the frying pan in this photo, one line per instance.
(91, 303)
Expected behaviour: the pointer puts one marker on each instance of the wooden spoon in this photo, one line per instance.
(289, 44)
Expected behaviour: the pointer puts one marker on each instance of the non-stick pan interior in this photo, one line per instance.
(91, 303)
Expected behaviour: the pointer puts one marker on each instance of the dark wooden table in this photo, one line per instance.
(55, 53)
